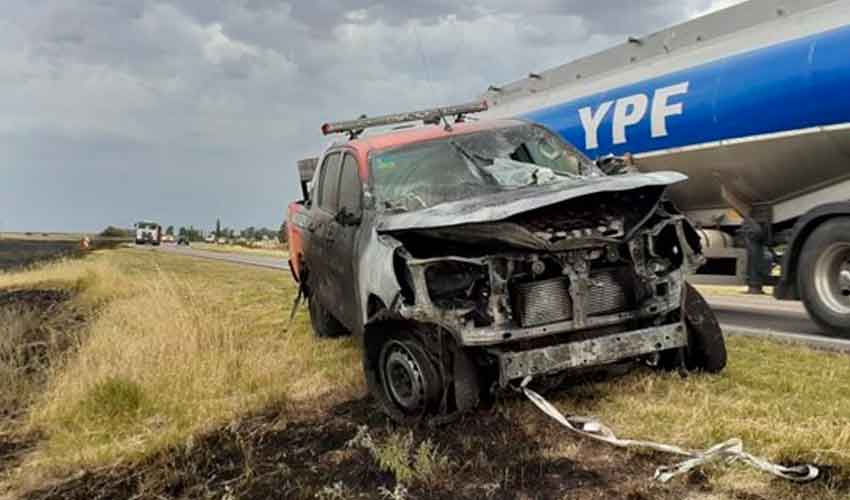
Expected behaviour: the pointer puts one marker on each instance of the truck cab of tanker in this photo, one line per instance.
(148, 232)
(470, 255)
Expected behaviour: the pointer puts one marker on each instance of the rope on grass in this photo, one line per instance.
(728, 451)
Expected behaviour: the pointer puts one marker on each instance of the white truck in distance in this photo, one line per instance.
(148, 232)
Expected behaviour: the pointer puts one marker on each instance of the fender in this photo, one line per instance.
(786, 288)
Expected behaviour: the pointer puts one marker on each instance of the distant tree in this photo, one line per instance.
(249, 233)
(116, 232)
(281, 235)
(170, 231)
(193, 234)
(181, 232)
(217, 228)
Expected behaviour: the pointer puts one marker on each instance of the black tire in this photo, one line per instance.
(324, 324)
(824, 292)
(706, 349)
(406, 382)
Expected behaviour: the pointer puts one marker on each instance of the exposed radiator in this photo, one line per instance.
(541, 302)
(548, 301)
(610, 291)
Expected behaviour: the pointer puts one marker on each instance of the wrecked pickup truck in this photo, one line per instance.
(469, 255)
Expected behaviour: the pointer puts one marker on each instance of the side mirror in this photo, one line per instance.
(346, 218)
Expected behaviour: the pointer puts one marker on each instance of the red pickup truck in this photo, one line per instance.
(469, 255)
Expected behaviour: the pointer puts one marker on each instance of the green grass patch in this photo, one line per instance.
(113, 399)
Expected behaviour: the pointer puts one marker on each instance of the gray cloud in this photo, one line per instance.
(196, 109)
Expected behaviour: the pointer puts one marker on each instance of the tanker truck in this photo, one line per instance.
(752, 103)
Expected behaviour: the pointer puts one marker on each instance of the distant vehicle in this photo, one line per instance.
(148, 232)
(168, 238)
(210, 238)
(183, 240)
(468, 256)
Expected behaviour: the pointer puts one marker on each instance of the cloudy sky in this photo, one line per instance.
(187, 110)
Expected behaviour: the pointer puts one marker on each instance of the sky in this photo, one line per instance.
(184, 111)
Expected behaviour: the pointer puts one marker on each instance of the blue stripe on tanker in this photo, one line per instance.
(788, 86)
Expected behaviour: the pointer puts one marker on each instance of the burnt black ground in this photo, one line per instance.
(49, 306)
(16, 254)
(264, 457)
(23, 253)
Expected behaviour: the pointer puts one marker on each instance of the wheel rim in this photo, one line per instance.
(403, 378)
(832, 277)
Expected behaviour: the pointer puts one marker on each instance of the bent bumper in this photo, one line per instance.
(592, 352)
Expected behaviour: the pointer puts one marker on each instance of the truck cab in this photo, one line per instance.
(148, 232)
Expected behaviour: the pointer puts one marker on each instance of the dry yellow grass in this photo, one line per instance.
(177, 345)
(787, 403)
(731, 290)
(280, 252)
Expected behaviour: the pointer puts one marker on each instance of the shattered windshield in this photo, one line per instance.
(425, 174)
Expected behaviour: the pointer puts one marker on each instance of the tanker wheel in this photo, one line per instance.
(823, 276)
(324, 324)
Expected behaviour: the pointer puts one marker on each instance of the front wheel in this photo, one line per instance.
(410, 381)
(706, 349)
(823, 276)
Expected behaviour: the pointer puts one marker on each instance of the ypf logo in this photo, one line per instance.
(630, 110)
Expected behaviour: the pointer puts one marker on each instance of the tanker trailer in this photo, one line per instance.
(752, 103)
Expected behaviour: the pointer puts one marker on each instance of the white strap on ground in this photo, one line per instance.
(729, 451)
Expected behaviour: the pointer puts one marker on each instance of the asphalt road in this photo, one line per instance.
(752, 315)
(238, 258)
(763, 312)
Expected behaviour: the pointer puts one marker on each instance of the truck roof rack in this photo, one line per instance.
(429, 116)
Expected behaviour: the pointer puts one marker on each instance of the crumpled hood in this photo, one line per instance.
(502, 205)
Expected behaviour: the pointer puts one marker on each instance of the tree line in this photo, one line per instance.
(191, 233)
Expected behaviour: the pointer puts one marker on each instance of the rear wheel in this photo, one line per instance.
(324, 324)
(823, 276)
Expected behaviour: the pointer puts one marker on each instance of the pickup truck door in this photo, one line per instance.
(321, 216)
(343, 236)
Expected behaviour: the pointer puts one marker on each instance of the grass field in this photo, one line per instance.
(267, 252)
(179, 355)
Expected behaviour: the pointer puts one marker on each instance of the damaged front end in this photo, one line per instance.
(572, 282)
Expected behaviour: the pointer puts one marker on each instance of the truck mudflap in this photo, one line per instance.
(598, 351)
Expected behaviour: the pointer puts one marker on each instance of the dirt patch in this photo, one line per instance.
(488, 456)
